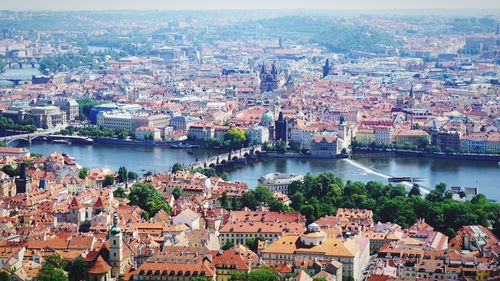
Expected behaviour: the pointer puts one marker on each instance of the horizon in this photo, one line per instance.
(490, 6)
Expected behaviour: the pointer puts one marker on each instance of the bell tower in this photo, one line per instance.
(115, 247)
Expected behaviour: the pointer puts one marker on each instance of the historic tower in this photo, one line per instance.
(115, 247)
(268, 79)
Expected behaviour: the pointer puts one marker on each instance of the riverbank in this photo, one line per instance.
(370, 152)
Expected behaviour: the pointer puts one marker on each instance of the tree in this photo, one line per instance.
(5, 276)
(280, 146)
(4, 144)
(49, 272)
(229, 244)
(278, 206)
(9, 170)
(108, 180)
(248, 200)
(36, 155)
(224, 201)
(145, 196)
(177, 192)
(77, 270)
(122, 174)
(119, 193)
(319, 279)
(177, 167)
(415, 191)
(253, 243)
(263, 195)
(235, 204)
(121, 133)
(262, 274)
(83, 173)
(131, 176)
(298, 201)
(235, 138)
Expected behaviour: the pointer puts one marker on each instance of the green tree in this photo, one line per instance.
(121, 133)
(145, 196)
(9, 170)
(263, 195)
(49, 272)
(262, 274)
(235, 204)
(5, 276)
(56, 260)
(177, 167)
(177, 192)
(229, 244)
(280, 146)
(119, 193)
(414, 191)
(253, 243)
(131, 176)
(108, 180)
(122, 174)
(248, 200)
(83, 173)
(298, 201)
(319, 279)
(36, 155)
(4, 144)
(235, 137)
(77, 270)
(224, 201)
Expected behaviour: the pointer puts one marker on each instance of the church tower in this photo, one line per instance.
(115, 247)
(411, 98)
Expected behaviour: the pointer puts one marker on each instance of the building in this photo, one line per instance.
(47, 116)
(107, 107)
(70, 107)
(281, 128)
(115, 120)
(278, 182)
(481, 142)
(315, 244)
(148, 133)
(243, 225)
(415, 137)
(182, 123)
(14, 152)
(446, 140)
(325, 146)
(268, 79)
(189, 218)
(258, 135)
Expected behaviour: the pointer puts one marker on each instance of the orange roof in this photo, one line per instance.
(99, 267)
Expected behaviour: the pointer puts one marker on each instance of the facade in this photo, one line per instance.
(47, 116)
(315, 244)
(145, 133)
(258, 135)
(182, 123)
(411, 136)
(446, 139)
(14, 152)
(481, 143)
(278, 182)
(281, 128)
(70, 107)
(325, 146)
(268, 79)
(115, 120)
(189, 218)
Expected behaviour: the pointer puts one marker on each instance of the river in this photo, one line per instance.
(17, 73)
(482, 174)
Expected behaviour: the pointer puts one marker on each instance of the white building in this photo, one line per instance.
(258, 135)
(189, 218)
(278, 182)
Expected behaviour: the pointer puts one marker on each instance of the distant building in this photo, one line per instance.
(281, 128)
(446, 139)
(47, 116)
(278, 182)
(268, 79)
(325, 146)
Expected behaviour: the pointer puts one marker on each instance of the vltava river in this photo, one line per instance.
(481, 174)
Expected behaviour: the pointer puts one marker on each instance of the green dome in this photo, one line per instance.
(115, 229)
(267, 116)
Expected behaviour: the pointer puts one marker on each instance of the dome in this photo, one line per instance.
(267, 116)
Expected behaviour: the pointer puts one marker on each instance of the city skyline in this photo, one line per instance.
(356, 5)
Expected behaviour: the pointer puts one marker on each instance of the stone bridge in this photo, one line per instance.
(26, 137)
(226, 158)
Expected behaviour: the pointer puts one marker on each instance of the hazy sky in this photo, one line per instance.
(247, 4)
